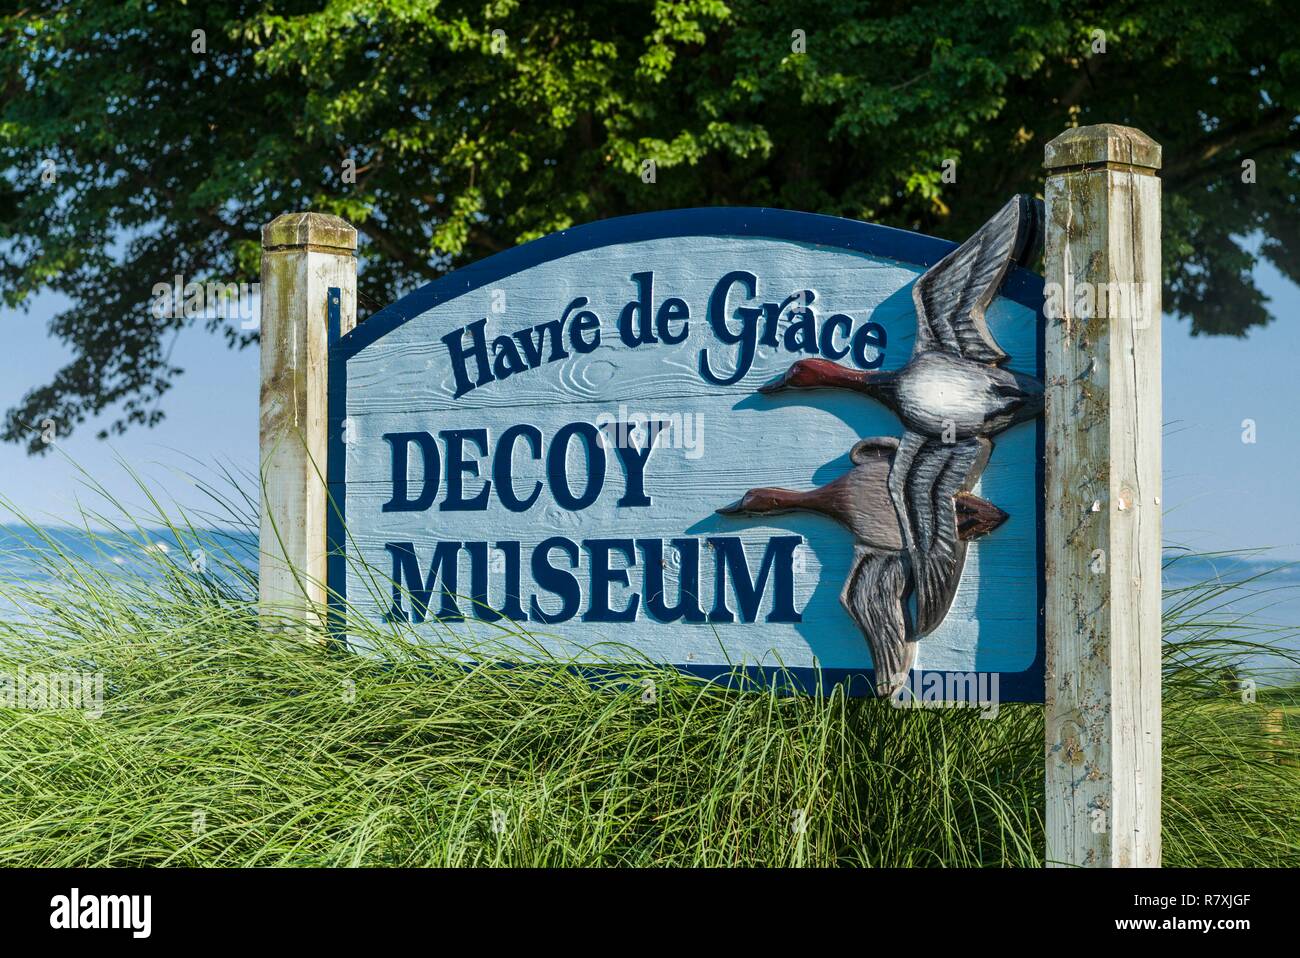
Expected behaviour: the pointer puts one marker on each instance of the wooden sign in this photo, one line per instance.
(710, 438)
(759, 439)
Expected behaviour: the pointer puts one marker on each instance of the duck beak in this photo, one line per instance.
(777, 384)
(976, 517)
(733, 509)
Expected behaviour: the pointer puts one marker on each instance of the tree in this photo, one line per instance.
(476, 126)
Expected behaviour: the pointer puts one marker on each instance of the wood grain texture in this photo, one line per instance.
(1103, 414)
(403, 382)
(304, 255)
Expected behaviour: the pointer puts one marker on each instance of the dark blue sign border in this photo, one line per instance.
(1021, 286)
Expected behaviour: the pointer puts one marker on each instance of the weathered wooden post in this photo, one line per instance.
(1102, 271)
(306, 258)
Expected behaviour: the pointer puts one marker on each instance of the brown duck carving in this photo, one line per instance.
(876, 592)
(952, 396)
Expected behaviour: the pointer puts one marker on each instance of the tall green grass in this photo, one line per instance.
(222, 743)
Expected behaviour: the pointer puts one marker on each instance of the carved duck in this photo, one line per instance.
(880, 581)
(952, 395)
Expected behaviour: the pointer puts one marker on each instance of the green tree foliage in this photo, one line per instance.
(478, 125)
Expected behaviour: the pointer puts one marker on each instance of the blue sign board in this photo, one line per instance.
(544, 439)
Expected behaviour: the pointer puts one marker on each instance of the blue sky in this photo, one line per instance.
(1219, 492)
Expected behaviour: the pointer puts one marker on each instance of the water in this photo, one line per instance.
(1269, 605)
(1266, 602)
(26, 554)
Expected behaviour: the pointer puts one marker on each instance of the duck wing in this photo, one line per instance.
(952, 295)
(934, 475)
(875, 596)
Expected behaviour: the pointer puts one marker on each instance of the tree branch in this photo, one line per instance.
(1198, 162)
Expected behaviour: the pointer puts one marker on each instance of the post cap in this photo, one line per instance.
(309, 230)
(1102, 143)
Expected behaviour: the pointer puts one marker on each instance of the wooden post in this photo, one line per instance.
(304, 257)
(1102, 271)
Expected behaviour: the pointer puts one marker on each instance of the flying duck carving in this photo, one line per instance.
(952, 396)
(880, 581)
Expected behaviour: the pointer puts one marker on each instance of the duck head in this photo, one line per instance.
(821, 373)
(761, 502)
